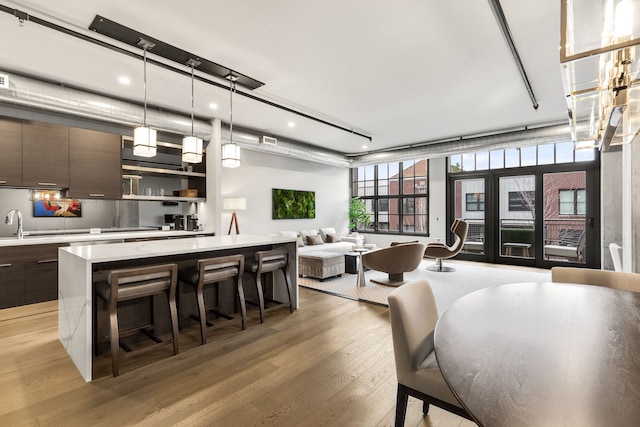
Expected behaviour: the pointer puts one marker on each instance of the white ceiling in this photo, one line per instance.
(403, 72)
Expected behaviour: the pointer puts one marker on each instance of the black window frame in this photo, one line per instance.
(401, 199)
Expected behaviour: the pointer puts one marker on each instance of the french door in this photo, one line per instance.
(538, 216)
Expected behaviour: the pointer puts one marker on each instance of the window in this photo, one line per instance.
(545, 154)
(521, 201)
(572, 202)
(475, 202)
(396, 195)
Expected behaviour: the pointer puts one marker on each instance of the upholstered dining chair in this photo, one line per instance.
(414, 315)
(590, 276)
(395, 260)
(440, 251)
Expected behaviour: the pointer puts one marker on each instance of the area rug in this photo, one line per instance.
(447, 287)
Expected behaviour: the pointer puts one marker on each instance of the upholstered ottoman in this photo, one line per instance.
(320, 264)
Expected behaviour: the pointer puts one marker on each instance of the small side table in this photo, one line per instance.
(360, 282)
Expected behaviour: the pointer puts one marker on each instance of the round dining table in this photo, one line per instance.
(544, 354)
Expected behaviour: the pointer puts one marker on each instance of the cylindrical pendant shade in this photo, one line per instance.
(144, 141)
(191, 149)
(230, 155)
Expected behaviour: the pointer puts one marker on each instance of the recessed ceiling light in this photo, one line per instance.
(124, 80)
(291, 124)
(364, 147)
(213, 106)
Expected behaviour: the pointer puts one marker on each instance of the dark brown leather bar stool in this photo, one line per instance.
(269, 262)
(212, 271)
(133, 283)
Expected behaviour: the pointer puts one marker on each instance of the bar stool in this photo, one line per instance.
(211, 271)
(269, 262)
(133, 283)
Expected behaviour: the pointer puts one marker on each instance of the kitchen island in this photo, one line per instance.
(80, 266)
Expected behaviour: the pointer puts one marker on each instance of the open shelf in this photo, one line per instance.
(163, 198)
(146, 170)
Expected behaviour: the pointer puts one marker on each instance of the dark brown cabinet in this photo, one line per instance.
(28, 274)
(95, 160)
(11, 148)
(45, 155)
(11, 281)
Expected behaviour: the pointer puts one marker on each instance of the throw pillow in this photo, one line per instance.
(291, 234)
(314, 240)
(306, 233)
(324, 232)
(332, 238)
(300, 242)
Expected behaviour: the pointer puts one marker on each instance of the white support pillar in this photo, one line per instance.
(210, 211)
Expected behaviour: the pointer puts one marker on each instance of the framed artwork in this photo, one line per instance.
(293, 204)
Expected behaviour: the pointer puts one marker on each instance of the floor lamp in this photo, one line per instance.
(234, 204)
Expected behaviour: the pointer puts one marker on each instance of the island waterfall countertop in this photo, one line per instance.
(75, 279)
(95, 237)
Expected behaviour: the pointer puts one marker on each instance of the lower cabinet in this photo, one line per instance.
(28, 274)
(11, 281)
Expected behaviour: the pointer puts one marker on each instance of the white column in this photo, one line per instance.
(210, 211)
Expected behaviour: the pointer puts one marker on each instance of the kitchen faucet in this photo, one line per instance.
(9, 220)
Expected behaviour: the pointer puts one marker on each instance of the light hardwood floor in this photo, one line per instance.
(330, 363)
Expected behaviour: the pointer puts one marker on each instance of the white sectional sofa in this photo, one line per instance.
(324, 239)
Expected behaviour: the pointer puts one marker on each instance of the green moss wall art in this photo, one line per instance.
(293, 204)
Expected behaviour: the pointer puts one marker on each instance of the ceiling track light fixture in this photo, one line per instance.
(144, 138)
(230, 150)
(192, 145)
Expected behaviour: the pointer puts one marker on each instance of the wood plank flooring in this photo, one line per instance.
(330, 363)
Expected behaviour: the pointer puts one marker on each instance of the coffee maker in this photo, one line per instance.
(176, 220)
(192, 222)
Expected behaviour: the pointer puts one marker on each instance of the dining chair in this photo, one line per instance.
(610, 279)
(414, 315)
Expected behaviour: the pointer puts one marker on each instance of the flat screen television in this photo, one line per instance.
(293, 204)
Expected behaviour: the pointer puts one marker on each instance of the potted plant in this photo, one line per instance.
(358, 214)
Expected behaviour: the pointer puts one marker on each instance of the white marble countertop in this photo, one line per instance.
(88, 237)
(135, 250)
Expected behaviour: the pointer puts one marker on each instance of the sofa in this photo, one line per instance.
(319, 240)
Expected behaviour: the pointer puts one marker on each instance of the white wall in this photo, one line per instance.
(261, 172)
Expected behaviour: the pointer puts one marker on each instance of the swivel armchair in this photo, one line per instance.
(394, 260)
(441, 251)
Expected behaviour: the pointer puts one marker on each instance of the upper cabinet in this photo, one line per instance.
(45, 155)
(95, 161)
(11, 148)
(94, 165)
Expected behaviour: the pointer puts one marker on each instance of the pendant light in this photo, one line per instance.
(192, 145)
(230, 150)
(144, 138)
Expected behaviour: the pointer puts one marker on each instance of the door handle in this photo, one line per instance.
(590, 222)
